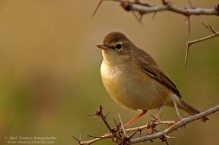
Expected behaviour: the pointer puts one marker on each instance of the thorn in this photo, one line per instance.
(124, 131)
(100, 108)
(169, 137)
(117, 125)
(140, 132)
(140, 18)
(212, 29)
(136, 17)
(161, 115)
(133, 134)
(92, 114)
(154, 117)
(107, 114)
(188, 18)
(115, 121)
(154, 16)
(183, 126)
(94, 136)
(166, 142)
(76, 139)
(164, 139)
(189, 24)
(96, 8)
(97, 112)
(190, 3)
(185, 19)
(187, 53)
(205, 25)
(80, 136)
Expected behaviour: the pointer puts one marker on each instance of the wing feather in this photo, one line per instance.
(147, 63)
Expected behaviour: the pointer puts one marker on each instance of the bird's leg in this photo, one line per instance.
(176, 107)
(135, 118)
(151, 124)
(158, 112)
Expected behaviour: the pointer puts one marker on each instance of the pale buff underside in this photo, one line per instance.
(127, 90)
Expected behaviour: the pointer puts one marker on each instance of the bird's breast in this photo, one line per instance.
(131, 87)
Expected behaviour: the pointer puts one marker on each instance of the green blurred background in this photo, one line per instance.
(49, 67)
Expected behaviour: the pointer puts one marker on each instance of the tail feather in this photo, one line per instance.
(191, 110)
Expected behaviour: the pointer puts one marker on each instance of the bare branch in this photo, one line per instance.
(95, 140)
(145, 8)
(163, 135)
(168, 7)
(189, 43)
(179, 124)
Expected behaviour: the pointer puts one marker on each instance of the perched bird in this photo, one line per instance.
(134, 80)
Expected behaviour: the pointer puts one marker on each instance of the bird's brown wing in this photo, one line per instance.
(147, 63)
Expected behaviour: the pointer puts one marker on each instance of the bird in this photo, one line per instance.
(134, 80)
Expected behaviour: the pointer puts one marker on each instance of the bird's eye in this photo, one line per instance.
(118, 47)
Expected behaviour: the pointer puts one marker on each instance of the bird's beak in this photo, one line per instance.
(103, 47)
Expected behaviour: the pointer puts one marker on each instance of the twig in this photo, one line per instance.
(111, 134)
(97, 8)
(163, 135)
(145, 8)
(189, 43)
(145, 126)
(108, 135)
(179, 124)
(168, 7)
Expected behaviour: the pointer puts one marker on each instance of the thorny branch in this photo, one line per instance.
(145, 8)
(189, 43)
(168, 6)
(117, 133)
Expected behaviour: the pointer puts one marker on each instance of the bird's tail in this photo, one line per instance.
(190, 109)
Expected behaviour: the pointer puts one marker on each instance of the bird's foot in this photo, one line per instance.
(179, 119)
(176, 122)
(152, 125)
